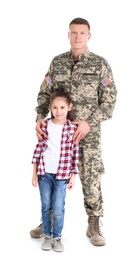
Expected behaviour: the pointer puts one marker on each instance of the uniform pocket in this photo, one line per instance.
(89, 78)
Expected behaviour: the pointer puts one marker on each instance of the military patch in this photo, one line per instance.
(48, 79)
(106, 81)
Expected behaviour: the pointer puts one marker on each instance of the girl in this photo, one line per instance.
(55, 164)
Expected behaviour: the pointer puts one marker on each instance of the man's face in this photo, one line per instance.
(78, 35)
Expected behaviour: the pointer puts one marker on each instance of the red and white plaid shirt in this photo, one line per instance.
(69, 155)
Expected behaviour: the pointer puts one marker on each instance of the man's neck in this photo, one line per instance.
(77, 53)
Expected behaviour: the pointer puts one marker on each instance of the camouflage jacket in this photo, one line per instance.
(90, 82)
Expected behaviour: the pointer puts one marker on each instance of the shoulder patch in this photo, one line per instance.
(48, 79)
(106, 81)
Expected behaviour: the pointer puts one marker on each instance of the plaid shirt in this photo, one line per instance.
(69, 154)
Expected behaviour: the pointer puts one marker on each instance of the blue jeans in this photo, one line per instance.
(52, 194)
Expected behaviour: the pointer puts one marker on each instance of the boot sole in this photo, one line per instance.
(34, 235)
(97, 244)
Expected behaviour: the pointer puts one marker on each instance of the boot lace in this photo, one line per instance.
(94, 225)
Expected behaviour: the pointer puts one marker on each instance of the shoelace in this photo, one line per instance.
(60, 239)
(94, 225)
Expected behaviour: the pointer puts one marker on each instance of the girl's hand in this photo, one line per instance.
(71, 183)
(35, 180)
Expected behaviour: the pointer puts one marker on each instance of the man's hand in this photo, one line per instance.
(82, 130)
(38, 128)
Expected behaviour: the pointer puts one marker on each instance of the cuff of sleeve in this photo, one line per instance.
(39, 117)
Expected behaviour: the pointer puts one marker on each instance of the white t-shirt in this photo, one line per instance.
(52, 152)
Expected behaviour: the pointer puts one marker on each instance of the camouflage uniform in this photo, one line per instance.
(91, 84)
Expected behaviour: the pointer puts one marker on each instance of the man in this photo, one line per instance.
(89, 79)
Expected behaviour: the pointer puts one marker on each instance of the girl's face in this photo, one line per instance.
(59, 108)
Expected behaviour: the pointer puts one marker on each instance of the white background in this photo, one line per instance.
(31, 34)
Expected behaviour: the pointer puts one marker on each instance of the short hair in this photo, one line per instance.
(79, 20)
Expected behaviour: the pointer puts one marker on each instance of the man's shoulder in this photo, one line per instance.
(97, 56)
(61, 56)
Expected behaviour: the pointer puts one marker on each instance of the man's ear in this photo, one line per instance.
(89, 36)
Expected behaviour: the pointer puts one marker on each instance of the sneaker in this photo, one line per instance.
(57, 244)
(36, 232)
(46, 242)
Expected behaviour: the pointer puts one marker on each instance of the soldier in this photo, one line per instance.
(89, 79)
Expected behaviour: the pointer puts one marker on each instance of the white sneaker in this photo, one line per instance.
(57, 244)
(46, 243)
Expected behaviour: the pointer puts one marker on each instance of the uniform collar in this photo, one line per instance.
(82, 57)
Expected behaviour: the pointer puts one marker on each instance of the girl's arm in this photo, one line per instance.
(34, 176)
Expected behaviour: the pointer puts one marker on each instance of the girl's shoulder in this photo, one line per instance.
(71, 125)
(44, 128)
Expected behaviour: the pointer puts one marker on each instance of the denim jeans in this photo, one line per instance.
(52, 194)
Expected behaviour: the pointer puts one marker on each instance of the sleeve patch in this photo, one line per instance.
(48, 79)
(106, 81)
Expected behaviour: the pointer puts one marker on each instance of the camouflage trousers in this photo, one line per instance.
(91, 170)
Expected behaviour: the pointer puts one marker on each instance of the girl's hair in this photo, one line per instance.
(61, 92)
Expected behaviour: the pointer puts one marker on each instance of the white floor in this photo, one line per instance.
(28, 43)
(20, 202)
(22, 213)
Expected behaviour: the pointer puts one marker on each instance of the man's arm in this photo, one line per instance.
(43, 97)
(107, 94)
(43, 100)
